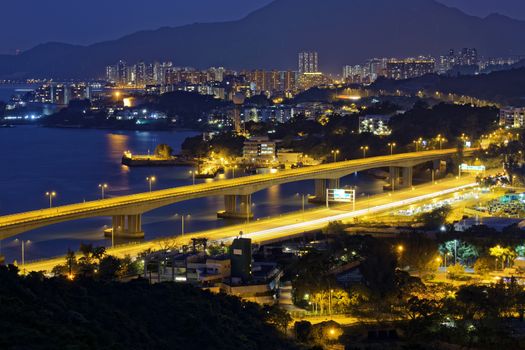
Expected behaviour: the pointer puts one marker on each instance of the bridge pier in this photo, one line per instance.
(334, 183)
(236, 207)
(126, 226)
(321, 185)
(394, 177)
(320, 191)
(407, 176)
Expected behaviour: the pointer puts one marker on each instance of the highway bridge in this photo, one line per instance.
(127, 211)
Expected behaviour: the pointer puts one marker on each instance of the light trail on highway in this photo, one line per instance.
(353, 214)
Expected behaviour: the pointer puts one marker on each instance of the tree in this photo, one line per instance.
(455, 271)
(503, 254)
(131, 267)
(420, 308)
(273, 314)
(334, 228)
(163, 151)
(459, 251)
(378, 269)
(419, 253)
(303, 331)
(71, 261)
(435, 218)
(109, 268)
(483, 265)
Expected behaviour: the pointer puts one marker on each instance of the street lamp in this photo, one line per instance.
(24, 255)
(335, 152)
(182, 224)
(440, 139)
(102, 189)
(51, 195)
(303, 198)
(417, 143)
(233, 170)
(151, 180)
(330, 302)
(192, 172)
(364, 149)
(392, 145)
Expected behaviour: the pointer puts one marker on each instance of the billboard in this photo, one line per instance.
(340, 195)
(473, 168)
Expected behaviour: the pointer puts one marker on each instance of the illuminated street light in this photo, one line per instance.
(51, 195)
(335, 152)
(392, 145)
(364, 149)
(151, 180)
(192, 172)
(102, 187)
(23, 246)
(440, 139)
(418, 143)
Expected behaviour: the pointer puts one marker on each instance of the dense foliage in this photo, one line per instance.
(40, 313)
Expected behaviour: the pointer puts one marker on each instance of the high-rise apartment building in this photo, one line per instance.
(409, 68)
(308, 62)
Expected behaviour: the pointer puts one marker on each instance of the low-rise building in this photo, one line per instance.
(259, 150)
(512, 117)
(234, 273)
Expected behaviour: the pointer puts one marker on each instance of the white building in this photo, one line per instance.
(375, 124)
(512, 117)
(308, 62)
(259, 149)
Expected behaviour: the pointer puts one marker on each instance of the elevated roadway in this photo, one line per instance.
(127, 210)
(284, 227)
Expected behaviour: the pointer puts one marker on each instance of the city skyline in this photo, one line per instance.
(293, 175)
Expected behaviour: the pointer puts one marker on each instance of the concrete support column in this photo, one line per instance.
(126, 226)
(334, 183)
(408, 173)
(134, 226)
(237, 207)
(320, 190)
(439, 167)
(394, 177)
(230, 203)
(119, 223)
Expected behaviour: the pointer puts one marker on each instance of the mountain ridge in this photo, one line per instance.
(342, 31)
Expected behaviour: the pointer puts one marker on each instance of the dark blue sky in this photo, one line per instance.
(27, 23)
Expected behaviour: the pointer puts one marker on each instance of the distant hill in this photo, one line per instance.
(342, 31)
(506, 87)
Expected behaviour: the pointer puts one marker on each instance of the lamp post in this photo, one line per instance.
(51, 195)
(330, 302)
(303, 197)
(102, 189)
(364, 149)
(233, 169)
(335, 152)
(440, 139)
(192, 172)
(151, 180)
(392, 145)
(24, 255)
